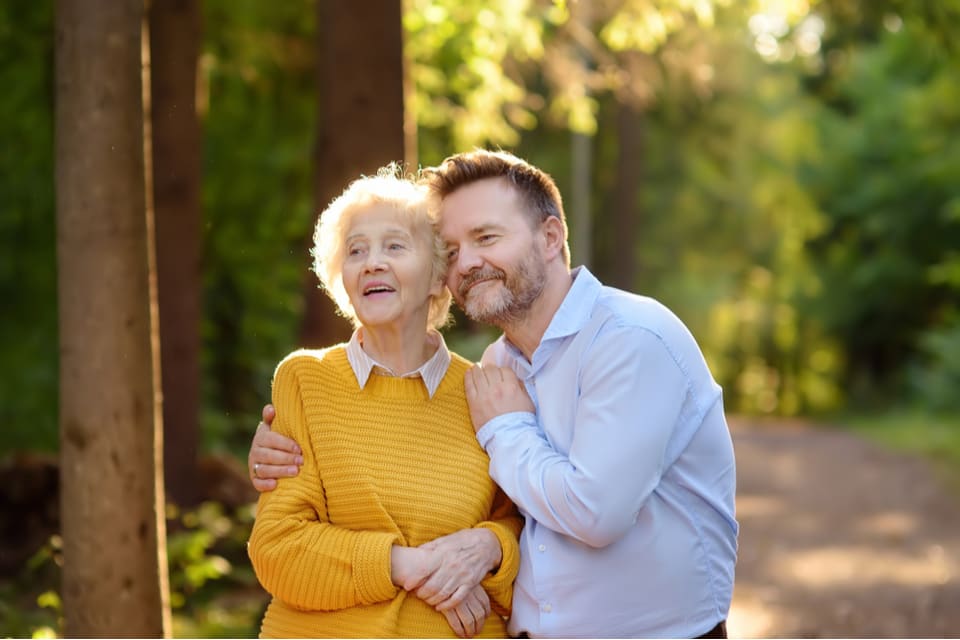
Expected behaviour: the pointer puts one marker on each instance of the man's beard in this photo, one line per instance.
(512, 301)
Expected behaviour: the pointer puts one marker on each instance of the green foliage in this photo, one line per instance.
(466, 61)
(213, 591)
(889, 188)
(258, 90)
(800, 213)
(29, 602)
(28, 284)
(934, 377)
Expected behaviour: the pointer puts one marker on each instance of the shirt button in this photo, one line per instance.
(547, 608)
(542, 547)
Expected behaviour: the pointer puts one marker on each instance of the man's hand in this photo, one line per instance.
(493, 391)
(271, 455)
(468, 617)
(462, 560)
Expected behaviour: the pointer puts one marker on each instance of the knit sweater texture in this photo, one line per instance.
(382, 465)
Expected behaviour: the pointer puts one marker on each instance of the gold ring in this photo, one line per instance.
(256, 468)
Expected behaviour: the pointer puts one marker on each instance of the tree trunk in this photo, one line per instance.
(581, 148)
(360, 79)
(581, 227)
(114, 572)
(174, 45)
(627, 209)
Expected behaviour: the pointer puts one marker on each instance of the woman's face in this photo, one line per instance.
(387, 269)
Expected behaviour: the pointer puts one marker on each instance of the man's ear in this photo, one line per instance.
(555, 237)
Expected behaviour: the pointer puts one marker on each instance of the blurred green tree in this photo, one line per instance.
(28, 325)
(890, 187)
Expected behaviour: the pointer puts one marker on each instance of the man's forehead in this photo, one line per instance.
(473, 222)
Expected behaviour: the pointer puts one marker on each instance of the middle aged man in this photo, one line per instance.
(599, 414)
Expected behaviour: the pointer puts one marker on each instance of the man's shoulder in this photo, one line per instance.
(623, 309)
(496, 353)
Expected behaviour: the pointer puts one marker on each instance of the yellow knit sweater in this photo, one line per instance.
(382, 465)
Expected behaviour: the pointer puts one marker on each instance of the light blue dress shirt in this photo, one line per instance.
(625, 475)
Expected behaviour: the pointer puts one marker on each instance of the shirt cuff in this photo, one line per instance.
(505, 421)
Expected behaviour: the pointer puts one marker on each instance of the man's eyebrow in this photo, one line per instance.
(483, 228)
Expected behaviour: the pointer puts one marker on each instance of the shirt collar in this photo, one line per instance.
(431, 372)
(571, 316)
(577, 305)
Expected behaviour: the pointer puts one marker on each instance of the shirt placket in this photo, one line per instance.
(542, 536)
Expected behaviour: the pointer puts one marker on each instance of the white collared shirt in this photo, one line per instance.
(626, 474)
(431, 371)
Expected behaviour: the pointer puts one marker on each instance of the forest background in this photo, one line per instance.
(784, 174)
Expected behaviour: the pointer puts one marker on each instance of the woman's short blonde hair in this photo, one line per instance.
(410, 199)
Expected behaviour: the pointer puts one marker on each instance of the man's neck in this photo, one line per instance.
(527, 332)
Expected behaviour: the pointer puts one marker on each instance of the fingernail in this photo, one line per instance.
(297, 449)
(293, 470)
(299, 460)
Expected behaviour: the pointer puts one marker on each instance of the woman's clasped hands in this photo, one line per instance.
(446, 574)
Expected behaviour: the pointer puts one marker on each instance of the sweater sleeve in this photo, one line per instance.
(505, 522)
(298, 556)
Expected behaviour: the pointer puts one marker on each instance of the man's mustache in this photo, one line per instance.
(488, 273)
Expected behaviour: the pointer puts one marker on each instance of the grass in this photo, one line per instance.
(936, 437)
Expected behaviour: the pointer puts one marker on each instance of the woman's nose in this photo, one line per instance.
(375, 261)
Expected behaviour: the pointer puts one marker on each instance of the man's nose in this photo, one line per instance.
(468, 260)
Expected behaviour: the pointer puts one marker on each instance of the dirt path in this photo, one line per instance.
(840, 538)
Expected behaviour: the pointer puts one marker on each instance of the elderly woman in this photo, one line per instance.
(393, 526)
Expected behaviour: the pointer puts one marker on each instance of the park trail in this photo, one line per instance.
(840, 538)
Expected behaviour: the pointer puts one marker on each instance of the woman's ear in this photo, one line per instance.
(437, 287)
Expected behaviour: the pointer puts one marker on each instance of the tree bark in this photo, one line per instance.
(581, 148)
(360, 79)
(627, 208)
(174, 46)
(114, 572)
(581, 227)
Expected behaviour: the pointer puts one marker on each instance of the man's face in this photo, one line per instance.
(496, 265)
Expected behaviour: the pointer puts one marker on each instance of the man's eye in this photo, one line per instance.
(486, 238)
(452, 255)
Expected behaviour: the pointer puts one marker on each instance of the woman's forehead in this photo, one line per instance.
(384, 218)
